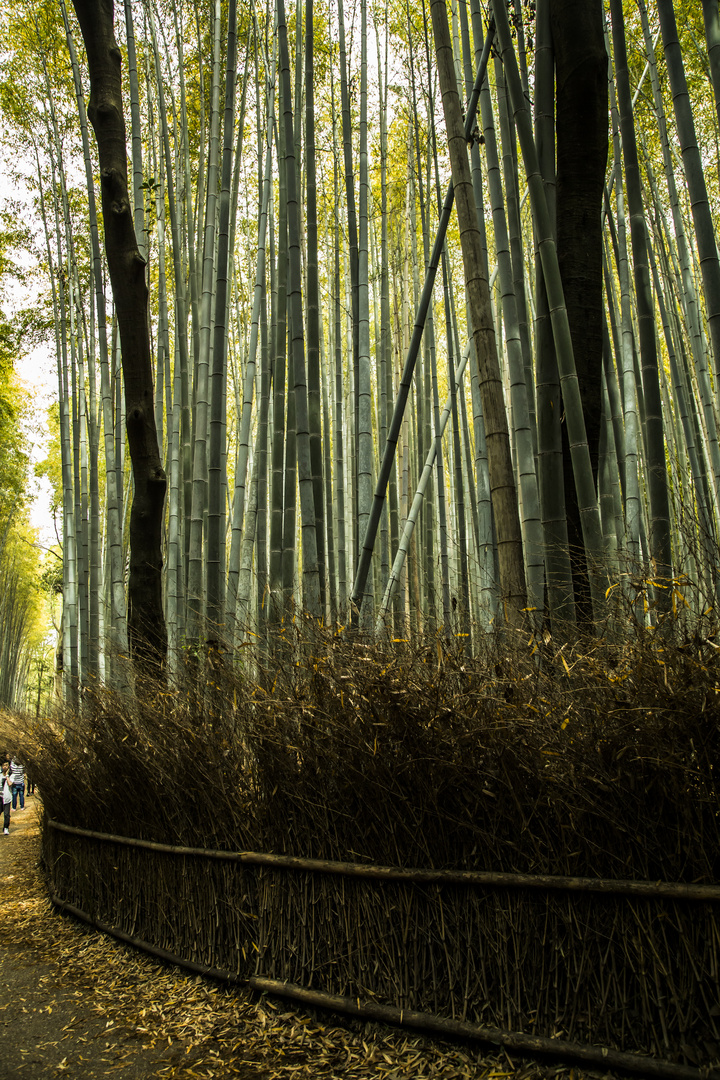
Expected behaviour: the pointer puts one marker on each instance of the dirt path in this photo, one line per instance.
(51, 1022)
(75, 1004)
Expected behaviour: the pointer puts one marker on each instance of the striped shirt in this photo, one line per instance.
(18, 772)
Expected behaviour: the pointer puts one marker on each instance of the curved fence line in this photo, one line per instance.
(482, 878)
(517, 1041)
(628, 971)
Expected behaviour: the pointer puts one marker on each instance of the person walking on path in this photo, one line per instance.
(7, 778)
(18, 783)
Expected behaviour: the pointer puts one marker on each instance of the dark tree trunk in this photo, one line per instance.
(146, 623)
(582, 148)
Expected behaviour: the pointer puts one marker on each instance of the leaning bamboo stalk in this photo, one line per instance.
(368, 541)
(414, 511)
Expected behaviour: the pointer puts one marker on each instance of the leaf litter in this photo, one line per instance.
(133, 1017)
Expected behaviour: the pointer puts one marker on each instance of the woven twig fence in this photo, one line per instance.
(634, 966)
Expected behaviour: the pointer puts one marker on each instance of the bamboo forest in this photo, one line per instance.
(362, 646)
(400, 319)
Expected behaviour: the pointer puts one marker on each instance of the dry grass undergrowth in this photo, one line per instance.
(596, 759)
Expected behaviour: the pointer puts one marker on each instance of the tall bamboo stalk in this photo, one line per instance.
(582, 469)
(311, 575)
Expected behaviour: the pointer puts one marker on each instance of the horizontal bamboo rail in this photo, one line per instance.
(519, 1042)
(673, 890)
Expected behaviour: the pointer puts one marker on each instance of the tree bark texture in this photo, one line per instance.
(146, 624)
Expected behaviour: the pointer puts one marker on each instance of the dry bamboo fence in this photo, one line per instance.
(556, 962)
(531, 792)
